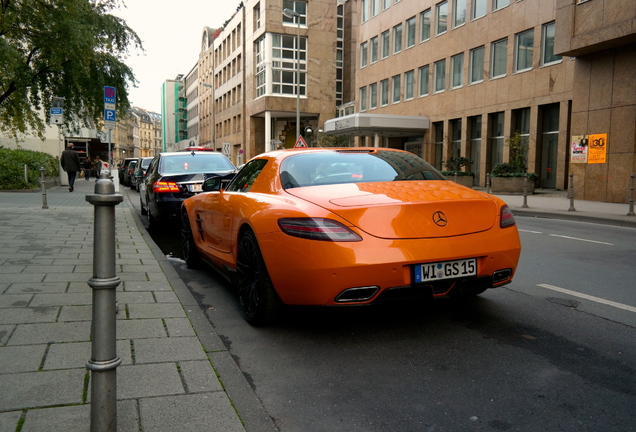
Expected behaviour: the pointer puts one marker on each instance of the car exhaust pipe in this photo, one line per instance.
(501, 275)
(358, 294)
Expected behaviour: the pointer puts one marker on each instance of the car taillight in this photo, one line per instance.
(317, 229)
(507, 219)
(165, 187)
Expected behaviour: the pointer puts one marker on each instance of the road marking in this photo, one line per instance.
(531, 232)
(589, 297)
(580, 239)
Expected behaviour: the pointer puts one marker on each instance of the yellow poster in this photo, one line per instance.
(597, 152)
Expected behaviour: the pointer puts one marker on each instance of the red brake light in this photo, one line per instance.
(165, 187)
(317, 229)
(507, 218)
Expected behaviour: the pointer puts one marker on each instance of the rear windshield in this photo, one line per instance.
(195, 163)
(145, 162)
(354, 167)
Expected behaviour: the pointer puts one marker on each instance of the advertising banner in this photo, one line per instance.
(578, 149)
(597, 145)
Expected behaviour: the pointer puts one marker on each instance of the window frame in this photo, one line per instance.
(373, 48)
(385, 45)
(436, 76)
(517, 57)
(544, 44)
(423, 72)
(409, 84)
(453, 72)
(396, 86)
(397, 38)
(441, 7)
(471, 66)
(384, 92)
(425, 25)
(364, 54)
(458, 20)
(494, 58)
(474, 9)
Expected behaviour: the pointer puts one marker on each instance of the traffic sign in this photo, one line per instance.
(300, 142)
(110, 95)
(57, 115)
(109, 115)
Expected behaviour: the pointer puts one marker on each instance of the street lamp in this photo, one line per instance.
(295, 15)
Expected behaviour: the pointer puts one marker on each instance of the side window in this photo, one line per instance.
(245, 178)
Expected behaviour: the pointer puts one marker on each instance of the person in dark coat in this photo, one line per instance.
(88, 167)
(71, 163)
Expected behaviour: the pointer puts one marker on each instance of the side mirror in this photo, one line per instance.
(212, 184)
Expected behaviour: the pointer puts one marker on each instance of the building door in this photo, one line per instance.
(549, 145)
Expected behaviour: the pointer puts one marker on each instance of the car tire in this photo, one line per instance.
(153, 224)
(143, 210)
(190, 253)
(259, 302)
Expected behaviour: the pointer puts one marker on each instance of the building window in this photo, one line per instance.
(441, 18)
(521, 118)
(425, 25)
(364, 17)
(440, 76)
(363, 98)
(456, 137)
(386, 4)
(397, 87)
(499, 51)
(385, 44)
(299, 7)
(409, 84)
(422, 89)
(397, 38)
(497, 139)
(476, 65)
(438, 130)
(459, 12)
(257, 16)
(457, 70)
(549, 144)
(363, 54)
(373, 95)
(478, 9)
(261, 68)
(375, 7)
(524, 43)
(498, 4)
(547, 44)
(474, 125)
(374, 49)
(284, 52)
(384, 92)
(410, 32)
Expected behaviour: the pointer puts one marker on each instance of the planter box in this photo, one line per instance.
(467, 181)
(510, 185)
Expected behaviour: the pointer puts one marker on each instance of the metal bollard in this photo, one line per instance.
(631, 196)
(43, 185)
(571, 192)
(525, 191)
(104, 360)
(487, 182)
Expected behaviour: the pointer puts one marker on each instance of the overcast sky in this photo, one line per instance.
(171, 32)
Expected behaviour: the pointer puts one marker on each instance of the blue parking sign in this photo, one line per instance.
(109, 115)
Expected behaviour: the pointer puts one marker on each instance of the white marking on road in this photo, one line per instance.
(589, 297)
(531, 232)
(580, 239)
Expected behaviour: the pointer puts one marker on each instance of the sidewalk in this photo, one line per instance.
(176, 374)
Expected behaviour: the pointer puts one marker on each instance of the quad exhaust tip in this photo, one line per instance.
(358, 294)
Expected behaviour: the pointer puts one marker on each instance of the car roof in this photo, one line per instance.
(181, 153)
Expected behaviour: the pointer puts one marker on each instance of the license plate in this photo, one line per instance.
(195, 187)
(445, 270)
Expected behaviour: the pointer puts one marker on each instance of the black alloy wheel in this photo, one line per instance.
(259, 301)
(190, 253)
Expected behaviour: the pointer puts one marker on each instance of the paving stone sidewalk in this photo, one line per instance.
(175, 374)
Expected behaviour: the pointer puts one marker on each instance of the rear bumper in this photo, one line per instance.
(306, 272)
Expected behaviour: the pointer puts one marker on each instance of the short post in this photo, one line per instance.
(43, 185)
(104, 360)
(571, 192)
(487, 182)
(26, 174)
(631, 196)
(525, 191)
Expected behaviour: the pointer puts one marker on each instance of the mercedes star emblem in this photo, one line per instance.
(440, 219)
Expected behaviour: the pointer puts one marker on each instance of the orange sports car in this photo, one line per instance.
(347, 226)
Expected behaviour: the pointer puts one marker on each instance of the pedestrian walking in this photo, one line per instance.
(88, 167)
(97, 166)
(71, 163)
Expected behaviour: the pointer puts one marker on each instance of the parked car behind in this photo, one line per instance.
(140, 172)
(171, 178)
(123, 167)
(129, 171)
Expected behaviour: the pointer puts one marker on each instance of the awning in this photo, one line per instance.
(361, 124)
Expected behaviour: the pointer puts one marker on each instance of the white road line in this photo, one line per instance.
(580, 239)
(531, 232)
(589, 297)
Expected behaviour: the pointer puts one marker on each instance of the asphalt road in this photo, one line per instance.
(553, 351)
